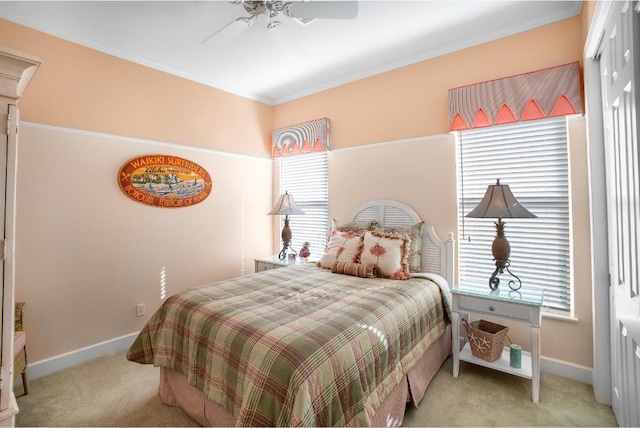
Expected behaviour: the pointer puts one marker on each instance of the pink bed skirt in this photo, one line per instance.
(174, 390)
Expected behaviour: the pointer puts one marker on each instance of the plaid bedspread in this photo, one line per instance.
(297, 346)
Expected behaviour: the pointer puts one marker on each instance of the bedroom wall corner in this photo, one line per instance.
(85, 253)
(81, 88)
(411, 102)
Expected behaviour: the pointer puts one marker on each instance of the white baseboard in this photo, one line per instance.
(120, 344)
(79, 356)
(570, 371)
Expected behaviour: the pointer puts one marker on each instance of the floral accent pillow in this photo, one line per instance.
(388, 252)
(354, 269)
(415, 233)
(342, 246)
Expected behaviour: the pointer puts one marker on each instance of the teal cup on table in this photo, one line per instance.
(516, 356)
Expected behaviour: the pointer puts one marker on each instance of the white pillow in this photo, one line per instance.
(389, 252)
(342, 247)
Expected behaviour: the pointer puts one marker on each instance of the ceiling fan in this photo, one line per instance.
(303, 12)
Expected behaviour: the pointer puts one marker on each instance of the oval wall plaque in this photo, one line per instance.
(164, 181)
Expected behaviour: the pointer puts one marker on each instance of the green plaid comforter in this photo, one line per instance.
(295, 346)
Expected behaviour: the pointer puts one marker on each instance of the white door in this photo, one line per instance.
(8, 155)
(7, 150)
(4, 338)
(620, 80)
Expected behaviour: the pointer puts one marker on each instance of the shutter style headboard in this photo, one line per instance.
(438, 255)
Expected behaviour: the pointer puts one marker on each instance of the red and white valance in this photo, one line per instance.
(306, 137)
(554, 91)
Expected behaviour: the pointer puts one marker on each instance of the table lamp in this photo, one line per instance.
(285, 206)
(498, 202)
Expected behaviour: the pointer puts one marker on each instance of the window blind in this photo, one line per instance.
(306, 178)
(532, 158)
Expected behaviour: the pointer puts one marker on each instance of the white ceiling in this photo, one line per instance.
(272, 68)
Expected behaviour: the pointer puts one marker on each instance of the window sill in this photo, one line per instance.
(559, 317)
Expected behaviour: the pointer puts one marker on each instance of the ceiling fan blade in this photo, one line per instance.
(231, 30)
(323, 9)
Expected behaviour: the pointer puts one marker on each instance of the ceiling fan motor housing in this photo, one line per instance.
(303, 12)
(263, 10)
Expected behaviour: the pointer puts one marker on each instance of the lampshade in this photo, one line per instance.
(499, 202)
(285, 206)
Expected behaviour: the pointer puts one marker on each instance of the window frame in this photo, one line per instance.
(516, 167)
(310, 190)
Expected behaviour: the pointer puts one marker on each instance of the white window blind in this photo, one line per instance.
(306, 178)
(532, 158)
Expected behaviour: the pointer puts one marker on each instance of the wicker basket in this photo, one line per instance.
(486, 339)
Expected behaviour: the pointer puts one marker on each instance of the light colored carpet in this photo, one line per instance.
(112, 391)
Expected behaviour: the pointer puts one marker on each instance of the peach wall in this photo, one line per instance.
(412, 101)
(588, 10)
(81, 88)
(410, 105)
(86, 254)
(406, 171)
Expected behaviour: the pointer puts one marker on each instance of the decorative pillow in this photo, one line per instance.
(389, 252)
(356, 226)
(355, 269)
(415, 233)
(342, 246)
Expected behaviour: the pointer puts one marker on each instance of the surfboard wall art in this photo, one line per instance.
(164, 181)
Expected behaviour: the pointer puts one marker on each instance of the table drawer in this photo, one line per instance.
(262, 266)
(498, 308)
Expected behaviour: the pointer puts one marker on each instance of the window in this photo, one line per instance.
(532, 158)
(306, 178)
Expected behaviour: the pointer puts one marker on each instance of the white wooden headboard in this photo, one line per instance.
(438, 255)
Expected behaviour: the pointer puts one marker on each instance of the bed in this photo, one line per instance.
(306, 345)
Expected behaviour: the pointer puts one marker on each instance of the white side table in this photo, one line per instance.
(272, 262)
(522, 306)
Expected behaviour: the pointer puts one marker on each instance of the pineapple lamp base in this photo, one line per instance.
(494, 281)
(500, 249)
(286, 238)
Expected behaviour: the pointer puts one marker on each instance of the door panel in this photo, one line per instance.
(8, 164)
(620, 77)
(6, 118)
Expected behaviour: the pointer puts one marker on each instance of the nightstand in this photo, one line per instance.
(272, 262)
(523, 306)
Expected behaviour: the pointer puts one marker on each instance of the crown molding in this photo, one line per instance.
(16, 71)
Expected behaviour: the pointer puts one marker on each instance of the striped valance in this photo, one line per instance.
(554, 91)
(306, 137)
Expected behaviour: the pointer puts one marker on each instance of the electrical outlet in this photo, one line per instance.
(140, 309)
